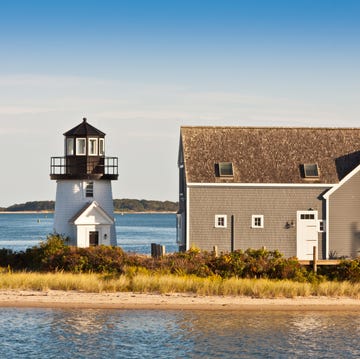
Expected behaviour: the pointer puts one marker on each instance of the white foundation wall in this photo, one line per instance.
(71, 198)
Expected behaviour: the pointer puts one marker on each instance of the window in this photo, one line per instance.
(81, 146)
(101, 147)
(257, 221)
(307, 216)
(220, 221)
(93, 151)
(225, 169)
(321, 225)
(69, 146)
(311, 170)
(89, 189)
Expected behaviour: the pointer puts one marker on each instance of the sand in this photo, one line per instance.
(72, 299)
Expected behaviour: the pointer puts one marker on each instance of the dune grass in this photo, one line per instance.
(162, 283)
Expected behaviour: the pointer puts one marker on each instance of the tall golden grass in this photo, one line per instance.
(162, 283)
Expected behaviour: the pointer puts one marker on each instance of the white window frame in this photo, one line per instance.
(321, 223)
(101, 147)
(307, 169)
(78, 152)
(69, 146)
(218, 218)
(223, 166)
(90, 140)
(254, 219)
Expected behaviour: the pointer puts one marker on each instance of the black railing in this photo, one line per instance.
(84, 166)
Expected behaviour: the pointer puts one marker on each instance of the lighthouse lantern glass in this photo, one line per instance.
(81, 146)
(93, 146)
(101, 147)
(69, 146)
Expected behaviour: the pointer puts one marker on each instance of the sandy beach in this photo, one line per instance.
(124, 300)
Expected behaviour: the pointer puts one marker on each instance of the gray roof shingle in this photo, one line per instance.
(269, 154)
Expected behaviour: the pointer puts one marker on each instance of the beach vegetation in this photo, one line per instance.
(172, 283)
(258, 273)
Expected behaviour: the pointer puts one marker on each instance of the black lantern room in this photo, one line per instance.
(84, 156)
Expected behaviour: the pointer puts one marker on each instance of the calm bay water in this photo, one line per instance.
(135, 232)
(55, 333)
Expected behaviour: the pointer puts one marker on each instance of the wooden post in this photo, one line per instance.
(157, 250)
(315, 259)
(162, 250)
(215, 251)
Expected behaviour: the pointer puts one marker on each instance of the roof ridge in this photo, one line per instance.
(272, 127)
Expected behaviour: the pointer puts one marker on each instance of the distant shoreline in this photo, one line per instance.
(115, 212)
(26, 212)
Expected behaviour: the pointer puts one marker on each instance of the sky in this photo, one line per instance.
(139, 70)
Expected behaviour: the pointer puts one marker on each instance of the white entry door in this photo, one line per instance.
(306, 234)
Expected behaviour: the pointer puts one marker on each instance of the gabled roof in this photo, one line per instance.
(342, 182)
(269, 154)
(92, 208)
(84, 129)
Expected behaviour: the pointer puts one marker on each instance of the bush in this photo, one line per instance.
(347, 270)
(55, 255)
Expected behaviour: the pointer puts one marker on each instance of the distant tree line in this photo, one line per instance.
(31, 206)
(135, 205)
(120, 205)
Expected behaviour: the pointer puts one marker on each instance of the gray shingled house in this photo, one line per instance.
(281, 188)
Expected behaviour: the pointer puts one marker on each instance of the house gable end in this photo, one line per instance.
(347, 178)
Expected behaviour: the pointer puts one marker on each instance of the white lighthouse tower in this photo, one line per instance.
(84, 210)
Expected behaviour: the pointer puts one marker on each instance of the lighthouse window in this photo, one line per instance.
(81, 146)
(101, 147)
(89, 189)
(70, 146)
(93, 146)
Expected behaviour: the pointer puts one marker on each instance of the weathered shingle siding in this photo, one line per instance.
(344, 219)
(277, 205)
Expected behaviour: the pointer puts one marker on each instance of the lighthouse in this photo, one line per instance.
(84, 210)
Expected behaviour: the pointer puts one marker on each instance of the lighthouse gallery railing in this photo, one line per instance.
(87, 165)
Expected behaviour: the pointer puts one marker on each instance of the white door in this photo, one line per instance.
(306, 234)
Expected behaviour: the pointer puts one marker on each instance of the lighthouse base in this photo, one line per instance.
(85, 221)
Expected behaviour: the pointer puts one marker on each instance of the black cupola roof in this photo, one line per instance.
(84, 129)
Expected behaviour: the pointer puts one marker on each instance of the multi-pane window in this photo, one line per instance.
(321, 225)
(89, 189)
(81, 146)
(307, 216)
(93, 151)
(257, 221)
(220, 221)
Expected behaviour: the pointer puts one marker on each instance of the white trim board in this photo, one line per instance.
(187, 219)
(274, 185)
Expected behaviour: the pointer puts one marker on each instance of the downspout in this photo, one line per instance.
(232, 247)
(327, 226)
(187, 218)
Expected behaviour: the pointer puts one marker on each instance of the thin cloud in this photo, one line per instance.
(36, 80)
